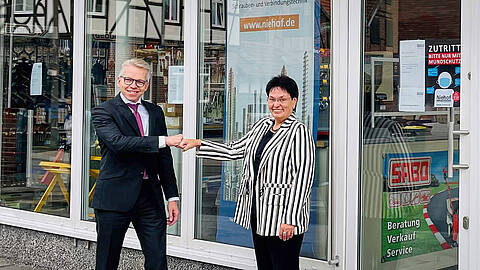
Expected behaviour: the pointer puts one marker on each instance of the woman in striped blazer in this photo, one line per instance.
(278, 168)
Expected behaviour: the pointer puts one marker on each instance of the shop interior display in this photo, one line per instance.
(36, 126)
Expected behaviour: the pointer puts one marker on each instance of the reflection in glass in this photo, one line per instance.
(230, 104)
(409, 204)
(166, 4)
(218, 13)
(98, 6)
(171, 10)
(125, 33)
(36, 100)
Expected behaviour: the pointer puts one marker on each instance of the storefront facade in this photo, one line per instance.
(394, 180)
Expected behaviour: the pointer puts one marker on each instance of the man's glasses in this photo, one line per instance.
(129, 81)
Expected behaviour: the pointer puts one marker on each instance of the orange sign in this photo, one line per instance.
(268, 23)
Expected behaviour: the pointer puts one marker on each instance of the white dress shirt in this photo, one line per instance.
(144, 115)
(145, 120)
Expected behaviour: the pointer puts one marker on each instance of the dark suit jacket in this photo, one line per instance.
(126, 154)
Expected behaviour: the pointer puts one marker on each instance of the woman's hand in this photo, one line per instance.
(286, 231)
(187, 144)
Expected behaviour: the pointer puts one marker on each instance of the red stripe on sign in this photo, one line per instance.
(445, 245)
(433, 229)
(425, 215)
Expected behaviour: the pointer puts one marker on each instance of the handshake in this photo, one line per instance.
(183, 143)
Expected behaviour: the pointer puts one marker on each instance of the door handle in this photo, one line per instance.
(452, 132)
(334, 261)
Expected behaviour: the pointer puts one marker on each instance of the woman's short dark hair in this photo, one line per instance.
(284, 82)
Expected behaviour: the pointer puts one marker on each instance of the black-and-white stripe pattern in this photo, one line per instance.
(285, 175)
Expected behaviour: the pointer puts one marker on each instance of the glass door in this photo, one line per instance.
(411, 107)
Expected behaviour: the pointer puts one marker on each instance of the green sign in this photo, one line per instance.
(419, 213)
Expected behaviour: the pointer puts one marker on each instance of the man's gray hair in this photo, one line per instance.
(137, 62)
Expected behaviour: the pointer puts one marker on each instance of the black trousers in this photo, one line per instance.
(272, 253)
(149, 221)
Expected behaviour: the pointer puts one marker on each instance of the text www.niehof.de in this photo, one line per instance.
(268, 23)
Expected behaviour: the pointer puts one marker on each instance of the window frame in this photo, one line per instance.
(185, 245)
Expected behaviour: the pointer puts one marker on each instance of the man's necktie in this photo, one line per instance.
(137, 116)
(139, 124)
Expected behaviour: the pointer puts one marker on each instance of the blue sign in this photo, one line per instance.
(433, 72)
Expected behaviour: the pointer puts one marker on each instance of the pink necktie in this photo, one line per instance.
(139, 124)
(137, 116)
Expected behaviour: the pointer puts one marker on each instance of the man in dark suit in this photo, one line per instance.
(136, 171)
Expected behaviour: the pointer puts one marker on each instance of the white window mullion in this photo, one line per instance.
(78, 112)
(346, 76)
(189, 123)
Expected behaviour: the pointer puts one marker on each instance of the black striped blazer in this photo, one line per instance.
(284, 179)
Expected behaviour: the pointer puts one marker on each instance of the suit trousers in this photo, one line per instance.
(149, 221)
(272, 253)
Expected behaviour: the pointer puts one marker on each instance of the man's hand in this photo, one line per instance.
(174, 140)
(173, 213)
(187, 144)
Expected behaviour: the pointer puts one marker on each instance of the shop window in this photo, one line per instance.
(36, 114)
(103, 63)
(172, 10)
(232, 77)
(218, 13)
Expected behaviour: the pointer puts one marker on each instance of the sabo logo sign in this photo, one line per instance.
(409, 172)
